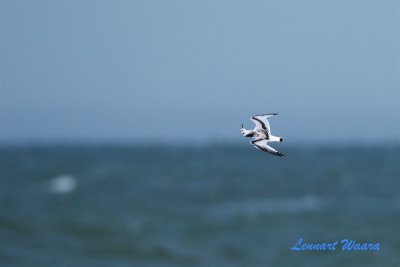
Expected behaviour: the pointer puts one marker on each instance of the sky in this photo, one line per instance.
(174, 71)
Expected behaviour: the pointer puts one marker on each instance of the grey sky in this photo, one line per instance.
(134, 71)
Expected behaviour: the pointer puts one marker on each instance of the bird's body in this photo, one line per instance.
(261, 134)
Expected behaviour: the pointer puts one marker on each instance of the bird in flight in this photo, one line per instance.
(261, 134)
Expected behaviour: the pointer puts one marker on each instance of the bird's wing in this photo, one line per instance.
(262, 122)
(262, 144)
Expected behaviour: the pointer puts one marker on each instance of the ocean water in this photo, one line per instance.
(215, 205)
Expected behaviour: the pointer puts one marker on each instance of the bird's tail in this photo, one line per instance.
(275, 139)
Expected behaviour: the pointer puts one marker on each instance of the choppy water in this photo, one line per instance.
(196, 206)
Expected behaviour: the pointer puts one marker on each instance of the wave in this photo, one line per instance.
(269, 206)
(62, 184)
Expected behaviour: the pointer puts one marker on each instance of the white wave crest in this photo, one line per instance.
(62, 184)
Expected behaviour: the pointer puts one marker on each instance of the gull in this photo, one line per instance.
(261, 134)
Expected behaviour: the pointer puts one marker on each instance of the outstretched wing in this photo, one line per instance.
(262, 144)
(262, 122)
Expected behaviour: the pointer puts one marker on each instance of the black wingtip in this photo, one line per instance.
(273, 114)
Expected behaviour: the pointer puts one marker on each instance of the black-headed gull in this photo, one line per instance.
(261, 134)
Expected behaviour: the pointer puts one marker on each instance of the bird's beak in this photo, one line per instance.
(242, 125)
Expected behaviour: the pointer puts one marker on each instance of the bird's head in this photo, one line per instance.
(243, 131)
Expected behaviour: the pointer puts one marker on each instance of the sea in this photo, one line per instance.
(197, 205)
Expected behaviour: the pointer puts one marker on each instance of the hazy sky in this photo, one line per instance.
(134, 71)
